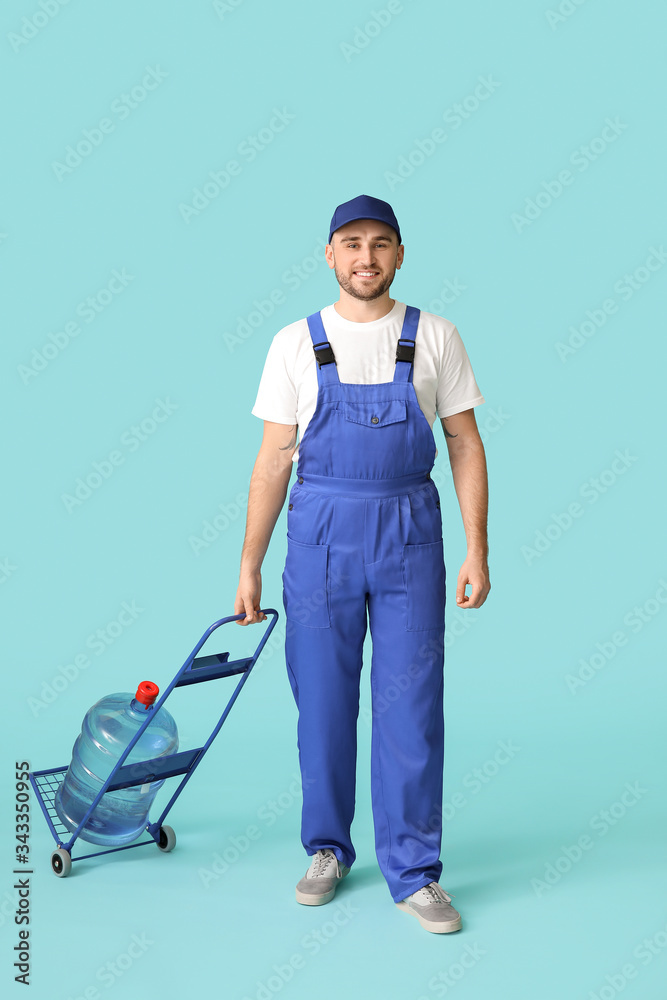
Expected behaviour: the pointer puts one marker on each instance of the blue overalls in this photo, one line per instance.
(364, 529)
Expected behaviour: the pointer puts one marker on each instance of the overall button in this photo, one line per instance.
(300, 479)
(437, 503)
(292, 505)
(380, 413)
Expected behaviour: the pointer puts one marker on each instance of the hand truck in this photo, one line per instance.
(196, 669)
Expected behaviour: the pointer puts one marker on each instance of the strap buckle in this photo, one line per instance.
(405, 352)
(324, 353)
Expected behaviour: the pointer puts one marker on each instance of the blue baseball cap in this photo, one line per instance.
(364, 207)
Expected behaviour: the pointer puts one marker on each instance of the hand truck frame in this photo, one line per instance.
(196, 669)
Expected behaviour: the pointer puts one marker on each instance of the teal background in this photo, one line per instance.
(551, 428)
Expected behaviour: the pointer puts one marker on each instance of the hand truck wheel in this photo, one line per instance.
(61, 862)
(167, 841)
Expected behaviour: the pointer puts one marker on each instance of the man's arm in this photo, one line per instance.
(468, 462)
(266, 496)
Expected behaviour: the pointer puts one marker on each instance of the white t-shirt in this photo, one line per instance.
(365, 353)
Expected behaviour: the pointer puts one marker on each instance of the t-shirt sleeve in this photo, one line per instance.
(276, 397)
(457, 388)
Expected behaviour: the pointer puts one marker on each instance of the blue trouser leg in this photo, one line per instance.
(324, 668)
(406, 608)
(407, 750)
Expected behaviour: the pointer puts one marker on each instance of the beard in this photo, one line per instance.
(366, 291)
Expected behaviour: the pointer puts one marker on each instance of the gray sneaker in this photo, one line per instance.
(431, 907)
(320, 882)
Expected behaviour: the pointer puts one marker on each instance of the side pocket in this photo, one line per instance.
(424, 577)
(306, 584)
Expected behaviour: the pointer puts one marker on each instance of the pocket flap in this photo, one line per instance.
(377, 414)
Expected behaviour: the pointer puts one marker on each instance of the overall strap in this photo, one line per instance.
(327, 373)
(405, 349)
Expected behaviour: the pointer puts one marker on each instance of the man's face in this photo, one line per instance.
(365, 256)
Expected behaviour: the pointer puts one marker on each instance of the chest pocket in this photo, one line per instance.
(390, 411)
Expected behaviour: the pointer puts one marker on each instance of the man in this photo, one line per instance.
(361, 381)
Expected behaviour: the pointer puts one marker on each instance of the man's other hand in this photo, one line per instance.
(475, 571)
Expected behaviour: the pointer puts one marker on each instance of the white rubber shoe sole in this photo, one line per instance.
(436, 927)
(318, 899)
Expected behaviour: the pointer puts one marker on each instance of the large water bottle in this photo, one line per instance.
(120, 816)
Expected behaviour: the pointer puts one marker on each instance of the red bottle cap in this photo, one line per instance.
(147, 692)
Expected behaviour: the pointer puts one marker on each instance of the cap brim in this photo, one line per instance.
(376, 218)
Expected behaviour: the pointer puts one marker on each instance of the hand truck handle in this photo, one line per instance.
(207, 668)
(248, 664)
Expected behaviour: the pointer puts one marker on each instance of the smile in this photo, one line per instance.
(366, 274)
